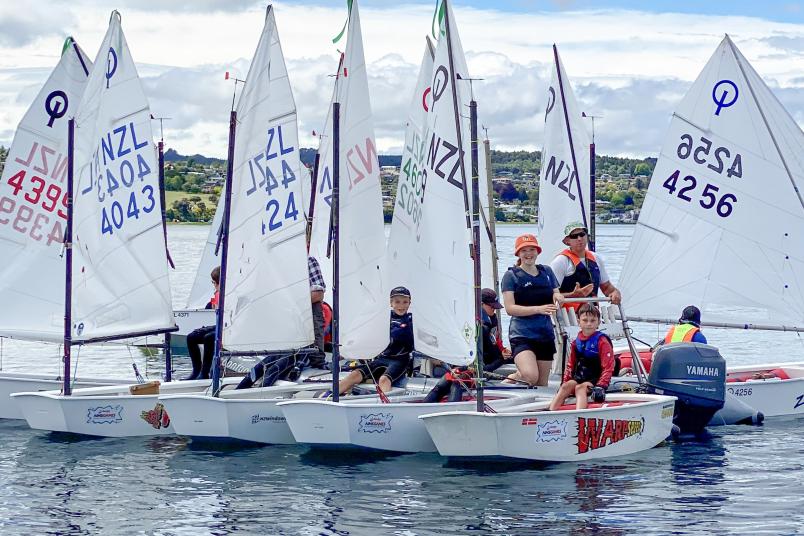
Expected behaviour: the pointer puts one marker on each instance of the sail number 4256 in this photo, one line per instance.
(687, 187)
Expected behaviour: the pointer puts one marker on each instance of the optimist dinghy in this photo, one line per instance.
(723, 224)
(32, 221)
(117, 283)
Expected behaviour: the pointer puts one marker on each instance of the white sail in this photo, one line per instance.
(565, 164)
(33, 214)
(406, 225)
(267, 305)
(120, 269)
(443, 294)
(202, 289)
(723, 221)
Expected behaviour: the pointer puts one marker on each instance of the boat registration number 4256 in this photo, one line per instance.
(740, 391)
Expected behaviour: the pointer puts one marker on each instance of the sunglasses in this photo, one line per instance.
(577, 235)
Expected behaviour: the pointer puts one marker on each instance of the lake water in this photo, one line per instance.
(740, 480)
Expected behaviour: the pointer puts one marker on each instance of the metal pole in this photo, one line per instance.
(476, 253)
(592, 208)
(168, 359)
(68, 245)
(227, 207)
(335, 218)
(492, 216)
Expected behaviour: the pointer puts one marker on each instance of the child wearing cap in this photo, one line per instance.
(393, 362)
(459, 379)
(530, 293)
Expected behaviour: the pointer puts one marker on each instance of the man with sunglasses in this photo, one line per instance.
(580, 273)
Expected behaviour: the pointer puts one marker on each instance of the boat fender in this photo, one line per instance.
(598, 394)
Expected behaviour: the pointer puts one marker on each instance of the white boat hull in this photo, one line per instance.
(371, 424)
(102, 411)
(528, 432)
(189, 320)
(247, 415)
(14, 382)
(773, 397)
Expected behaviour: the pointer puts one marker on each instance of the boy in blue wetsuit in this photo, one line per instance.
(460, 379)
(591, 362)
(394, 361)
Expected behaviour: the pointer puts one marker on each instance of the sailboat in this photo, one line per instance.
(32, 221)
(117, 283)
(194, 314)
(623, 424)
(265, 293)
(437, 262)
(722, 225)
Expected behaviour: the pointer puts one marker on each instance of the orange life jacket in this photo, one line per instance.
(681, 333)
(569, 282)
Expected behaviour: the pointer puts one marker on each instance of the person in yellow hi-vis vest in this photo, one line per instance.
(688, 328)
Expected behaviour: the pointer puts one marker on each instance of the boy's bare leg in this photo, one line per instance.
(346, 384)
(561, 396)
(582, 394)
(385, 383)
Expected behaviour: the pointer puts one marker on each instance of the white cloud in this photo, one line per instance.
(629, 67)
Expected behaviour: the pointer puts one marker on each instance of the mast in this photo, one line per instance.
(476, 253)
(68, 245)
(569, 136)
(216, 365)
(592, 196)
(335, 237)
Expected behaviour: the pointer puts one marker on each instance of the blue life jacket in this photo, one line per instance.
(588, 367)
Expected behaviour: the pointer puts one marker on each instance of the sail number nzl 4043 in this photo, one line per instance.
(120, 159)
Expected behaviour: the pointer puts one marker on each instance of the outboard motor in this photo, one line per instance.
(695, 373)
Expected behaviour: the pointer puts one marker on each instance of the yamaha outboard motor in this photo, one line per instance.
(695, 373)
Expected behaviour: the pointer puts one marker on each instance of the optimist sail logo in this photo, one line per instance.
(594, 434)
(375, 423)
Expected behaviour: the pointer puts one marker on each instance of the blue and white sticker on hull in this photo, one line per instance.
(375, 423)
(105, 415)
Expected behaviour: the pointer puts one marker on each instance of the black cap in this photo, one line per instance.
(690, 315)
(489, 297)
(400, 291)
